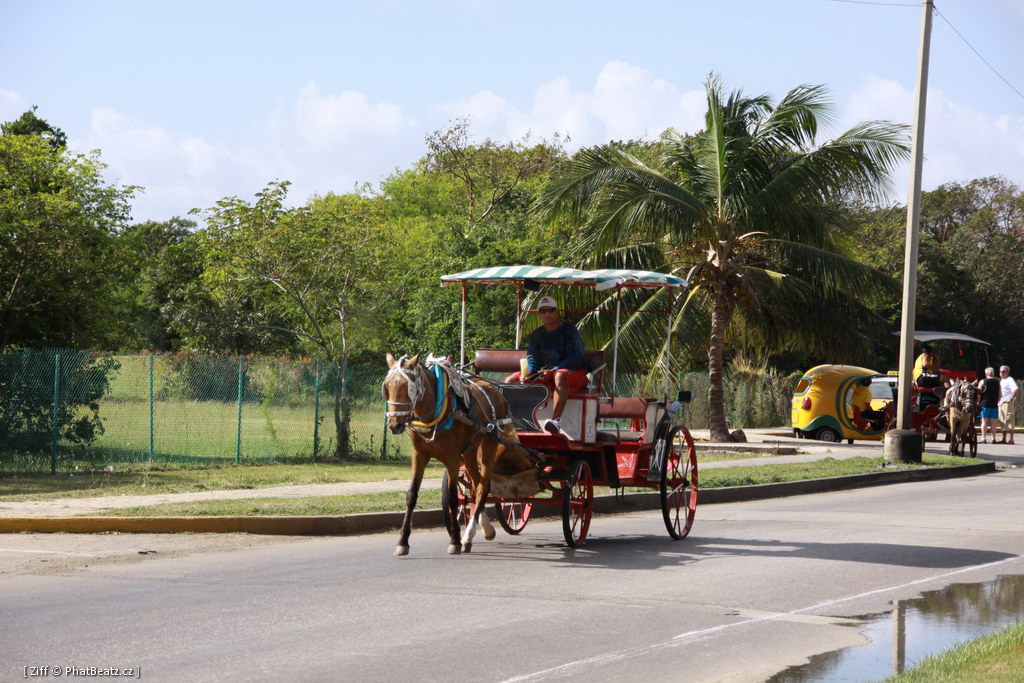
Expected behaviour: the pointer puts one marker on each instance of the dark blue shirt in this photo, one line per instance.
(561, 349)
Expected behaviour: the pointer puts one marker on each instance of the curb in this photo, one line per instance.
(372, 522)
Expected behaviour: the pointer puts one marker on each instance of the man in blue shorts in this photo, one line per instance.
(555, 357)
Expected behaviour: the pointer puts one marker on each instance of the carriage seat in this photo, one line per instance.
(507, 361)
(633, 408)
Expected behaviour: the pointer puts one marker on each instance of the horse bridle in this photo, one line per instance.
(412, 387)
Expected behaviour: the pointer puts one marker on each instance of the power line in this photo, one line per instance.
(887, 4)
(985, 61)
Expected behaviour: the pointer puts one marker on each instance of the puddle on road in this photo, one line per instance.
(917, 628)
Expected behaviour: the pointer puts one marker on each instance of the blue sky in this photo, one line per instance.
(199, 100)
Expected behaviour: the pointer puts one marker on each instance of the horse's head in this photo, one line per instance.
(405, 385)
(968, 395)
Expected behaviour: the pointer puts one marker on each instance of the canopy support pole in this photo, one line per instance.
(462, 334)
(668, 339)
(519, 311)
(615, 342)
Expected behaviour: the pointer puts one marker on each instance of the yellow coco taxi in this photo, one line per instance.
(823, 405)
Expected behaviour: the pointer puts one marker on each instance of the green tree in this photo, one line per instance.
(30, 124)
(745, 208)
(58, 219)
(159, 269)
(317, 273)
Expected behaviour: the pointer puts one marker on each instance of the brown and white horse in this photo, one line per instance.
(960, 407)
(410, 390)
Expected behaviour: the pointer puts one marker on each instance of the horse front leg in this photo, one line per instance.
(419, 464)
(452, 511)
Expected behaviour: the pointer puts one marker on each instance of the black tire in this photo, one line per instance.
(577, 504)
(827, 434)
(513, 516)
(678, 487)
(464, 502)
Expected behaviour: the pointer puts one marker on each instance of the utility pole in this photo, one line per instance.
(903, 443)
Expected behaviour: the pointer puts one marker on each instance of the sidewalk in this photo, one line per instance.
(809, 451)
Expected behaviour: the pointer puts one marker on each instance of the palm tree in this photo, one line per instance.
(748, 209)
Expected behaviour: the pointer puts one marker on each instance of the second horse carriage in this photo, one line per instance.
(605, 440)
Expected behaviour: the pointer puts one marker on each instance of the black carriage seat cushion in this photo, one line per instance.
(523, 400)
(507, 360)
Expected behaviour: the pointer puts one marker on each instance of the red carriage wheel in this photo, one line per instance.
(577, 504)
(465, 501)
(679, 484)
(513, 516)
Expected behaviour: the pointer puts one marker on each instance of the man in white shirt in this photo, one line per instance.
(1008, 388)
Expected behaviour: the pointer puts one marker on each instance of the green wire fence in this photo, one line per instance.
(60, 409)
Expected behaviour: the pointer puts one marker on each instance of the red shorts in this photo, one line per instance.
(574, 379)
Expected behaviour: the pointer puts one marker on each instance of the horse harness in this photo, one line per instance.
(449, 405)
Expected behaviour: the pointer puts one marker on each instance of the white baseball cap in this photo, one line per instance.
(546, 302)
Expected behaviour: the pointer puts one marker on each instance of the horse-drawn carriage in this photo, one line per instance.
(946, 402)
(605, 440)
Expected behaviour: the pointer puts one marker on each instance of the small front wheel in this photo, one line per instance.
(464, 502)
(827, 434)
(513, 516)
(678, 486)
(577, 504)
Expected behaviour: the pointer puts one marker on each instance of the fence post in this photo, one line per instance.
(151, 408)
(316, 414)
(238, 432)
(56, 407)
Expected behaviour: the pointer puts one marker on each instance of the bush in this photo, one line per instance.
(27, 397)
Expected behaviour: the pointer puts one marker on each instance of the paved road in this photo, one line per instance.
(757, 586)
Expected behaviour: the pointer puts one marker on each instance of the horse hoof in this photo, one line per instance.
(467, 547)
(401, 550)
(489, 534)
(454, 549)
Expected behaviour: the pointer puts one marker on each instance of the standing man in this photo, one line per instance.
(990, 396)
(555, 357)
(1009, 389)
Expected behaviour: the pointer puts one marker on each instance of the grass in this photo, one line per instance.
(995, 657)
(386, 502)
(35, 486)
(207, 431)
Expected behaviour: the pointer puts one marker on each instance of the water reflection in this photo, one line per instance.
(916, 629)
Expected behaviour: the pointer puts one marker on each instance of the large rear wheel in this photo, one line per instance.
(464, 502)
(679, 484)
(577, 504)
(513, 516)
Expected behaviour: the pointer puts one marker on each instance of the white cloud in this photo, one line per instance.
(960, 142)
(319, 142)
(624, 102)
(323, 141)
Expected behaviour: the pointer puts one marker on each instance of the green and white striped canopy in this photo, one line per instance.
(599, 279)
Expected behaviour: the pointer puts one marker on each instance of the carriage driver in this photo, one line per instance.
(555, 357)
(928, 376)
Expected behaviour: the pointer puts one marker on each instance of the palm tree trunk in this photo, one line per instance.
(716, 391)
